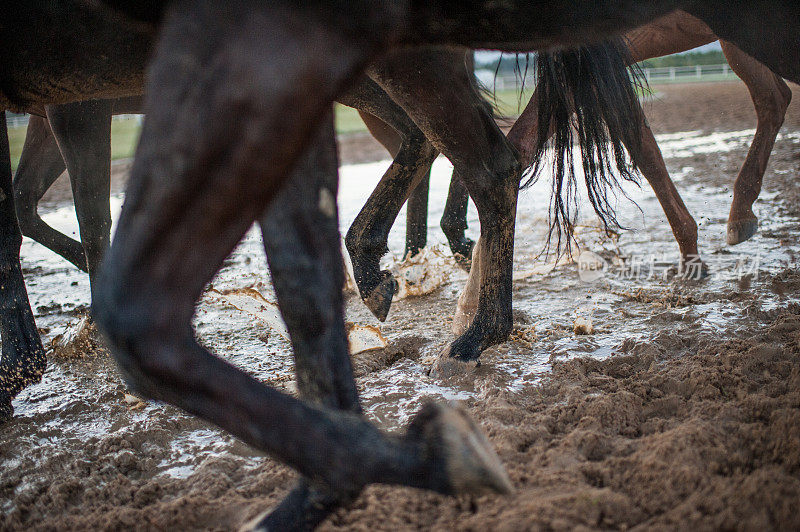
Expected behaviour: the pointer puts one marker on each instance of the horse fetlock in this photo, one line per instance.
(462, 251)
(693, 268)
(454, 444)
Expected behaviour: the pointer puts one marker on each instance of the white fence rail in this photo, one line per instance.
(652, 75)
(15, 120)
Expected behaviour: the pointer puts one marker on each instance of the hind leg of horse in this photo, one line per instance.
(40, 164)
(83, 132)
(417, 204)
(651, 163)
(368, 236)
(195, 191)
(23, 361)
(454, 222)
(771, 97)
(417, 217)
(301, 238)
(486, 163)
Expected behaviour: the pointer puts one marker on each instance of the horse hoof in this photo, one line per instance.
(465, 263)
(741, 230)
(447, 367)
(380, 299)
(690, 269)
(453, 439)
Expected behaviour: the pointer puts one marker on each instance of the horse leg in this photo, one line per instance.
(40, 164)
(367, 238)
(83, 133)
(196, 190)
(483, 158)
(301, 237)
(417, 217)
(454, 222)
(417, 204)
(23, 360)
(651, 163)
(771, 97)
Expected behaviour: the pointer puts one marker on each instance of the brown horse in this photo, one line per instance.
(676, 32)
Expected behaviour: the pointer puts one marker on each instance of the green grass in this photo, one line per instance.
(125, 133)
(508, 103)
(124, 136)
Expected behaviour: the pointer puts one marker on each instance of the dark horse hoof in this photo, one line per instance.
(379, 300)
(458, 456)
(462, 252)
(460, 448)
(741, 230)
(458, 358)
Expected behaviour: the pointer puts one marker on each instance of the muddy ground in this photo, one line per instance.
(680, 411)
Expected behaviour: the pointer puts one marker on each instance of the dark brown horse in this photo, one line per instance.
(170, 241)
(78, 135)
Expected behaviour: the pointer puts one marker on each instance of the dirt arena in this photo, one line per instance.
(680, 411)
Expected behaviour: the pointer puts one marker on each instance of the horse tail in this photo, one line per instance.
(595, 85)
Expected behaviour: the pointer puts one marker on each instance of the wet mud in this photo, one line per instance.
(679, 408)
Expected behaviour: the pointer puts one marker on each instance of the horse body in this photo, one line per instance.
(59, 52)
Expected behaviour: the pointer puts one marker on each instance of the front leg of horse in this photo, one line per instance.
(40, 164)
(367, 238)
(23, 361)
(301, 237)
(490, 321)
(83, 132)
(196, 190)
(454, 222)
(417, 217)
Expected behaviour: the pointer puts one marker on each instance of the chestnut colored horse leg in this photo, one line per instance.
(771, 97)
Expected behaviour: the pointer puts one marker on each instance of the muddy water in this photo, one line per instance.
(80, 418)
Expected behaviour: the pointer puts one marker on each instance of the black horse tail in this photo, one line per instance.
(595, 84)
